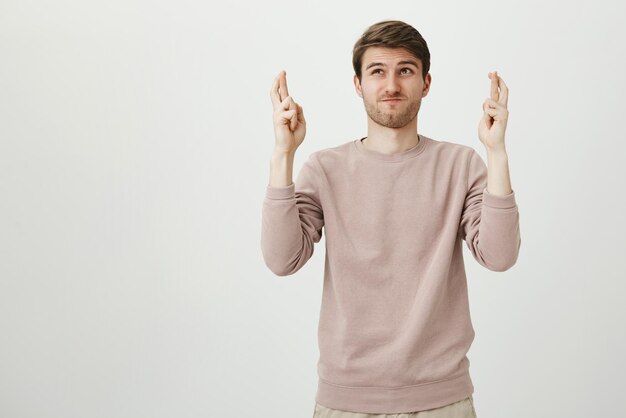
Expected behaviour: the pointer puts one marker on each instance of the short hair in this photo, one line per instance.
(391, 34)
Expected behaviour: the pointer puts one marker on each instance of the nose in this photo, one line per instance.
(392, 86)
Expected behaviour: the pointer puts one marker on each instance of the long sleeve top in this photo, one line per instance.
(394, 325)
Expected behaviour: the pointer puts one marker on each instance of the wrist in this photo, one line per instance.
(280, 153)
(497, 151)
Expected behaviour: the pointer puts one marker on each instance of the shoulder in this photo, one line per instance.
(327, 158)
(451, 150)
(337, 151)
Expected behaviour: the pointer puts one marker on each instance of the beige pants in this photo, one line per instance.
(461, 409)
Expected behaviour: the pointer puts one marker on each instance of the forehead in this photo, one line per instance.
(389, 56)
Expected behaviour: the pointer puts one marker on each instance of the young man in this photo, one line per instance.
(395, 206)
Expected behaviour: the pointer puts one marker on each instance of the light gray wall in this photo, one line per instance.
(134, 154)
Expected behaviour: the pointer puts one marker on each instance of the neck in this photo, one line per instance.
(390, 142)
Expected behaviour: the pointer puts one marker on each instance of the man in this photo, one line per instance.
(395, 206)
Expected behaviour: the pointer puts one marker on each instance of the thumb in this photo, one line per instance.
(293, 107)
(486, 120)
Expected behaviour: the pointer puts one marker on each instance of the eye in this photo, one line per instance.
(405, 68)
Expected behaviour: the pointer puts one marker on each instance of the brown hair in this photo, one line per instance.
(391, 34)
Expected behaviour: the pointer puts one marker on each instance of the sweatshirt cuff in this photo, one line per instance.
(280, 192)
(501, 202)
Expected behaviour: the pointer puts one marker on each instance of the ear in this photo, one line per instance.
(357, 86)
(427, 82)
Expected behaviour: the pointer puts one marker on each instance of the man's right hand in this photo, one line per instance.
(289, 122)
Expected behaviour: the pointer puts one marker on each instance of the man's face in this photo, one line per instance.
(386, 74)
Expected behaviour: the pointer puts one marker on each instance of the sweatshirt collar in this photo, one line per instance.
(398, 156)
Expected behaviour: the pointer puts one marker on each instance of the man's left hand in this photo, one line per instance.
(493, 123)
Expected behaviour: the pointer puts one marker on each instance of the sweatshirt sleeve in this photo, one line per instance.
(292, 221)
(489, 223)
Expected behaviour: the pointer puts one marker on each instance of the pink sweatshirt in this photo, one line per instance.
(394, 325)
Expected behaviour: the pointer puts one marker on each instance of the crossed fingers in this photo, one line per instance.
(279, 91)
(499, 90)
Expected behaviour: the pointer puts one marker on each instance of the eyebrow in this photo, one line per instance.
(373, 64)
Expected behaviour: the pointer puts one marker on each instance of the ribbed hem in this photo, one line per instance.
(502, 202)
(382, 400)
(280, 192)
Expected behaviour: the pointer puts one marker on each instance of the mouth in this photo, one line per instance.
(392, 101)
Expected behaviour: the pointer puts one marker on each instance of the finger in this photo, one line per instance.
(283, 85)
(289, 113)
(504, 93)
(293, 117)
(301, 118)
(493, 104)
(274, 92)
(288, 103)
(495, 109)
(492, 112)
(296, 118)
(287, 116)
(494, 85)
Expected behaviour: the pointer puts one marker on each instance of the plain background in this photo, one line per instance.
(134, 156)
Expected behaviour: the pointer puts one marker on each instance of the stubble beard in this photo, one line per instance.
(393, 117)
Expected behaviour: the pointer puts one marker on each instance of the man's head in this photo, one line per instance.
(391, 59)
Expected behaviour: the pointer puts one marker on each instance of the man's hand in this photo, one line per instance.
(289, 122)
(493, 123)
